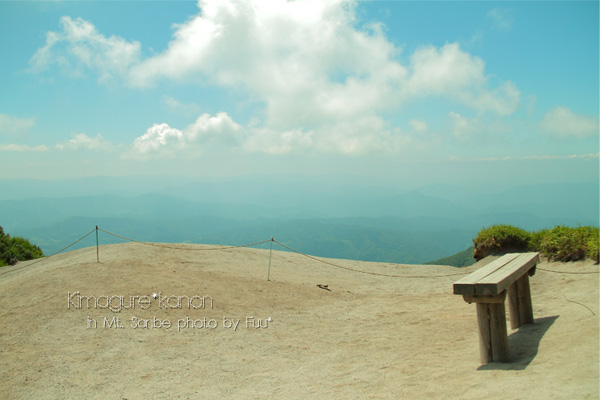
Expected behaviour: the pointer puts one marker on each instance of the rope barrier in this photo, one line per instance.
(63, 249)
(184, 248)
(366, 272)
(581, 304)
(567, 272)
(287, 247)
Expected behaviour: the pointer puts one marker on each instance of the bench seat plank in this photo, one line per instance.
(499, 280)
(466, 285)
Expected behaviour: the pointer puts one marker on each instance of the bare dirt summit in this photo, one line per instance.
(158, 323)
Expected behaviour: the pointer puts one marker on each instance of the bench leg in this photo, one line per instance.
(493, 338)
(519, 303)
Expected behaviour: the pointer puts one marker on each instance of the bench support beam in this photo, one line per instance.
(493, 338)
(519, 303)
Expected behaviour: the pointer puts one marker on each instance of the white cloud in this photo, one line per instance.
(79, 46)
(533, 157)
(316, 72)
(159, 141)
(323, 79)
(181, 108)
(418, 126)
(217, 130)
(567, 157)
(163, 141)
(562, 122)
(360, 135)
(22, 147)
(81, 141)
(461, 126)
(478, 130)
(309, 64)
(364, 134)
(502, 19)
(458, 76)
(303, 59)
(263, 140)
(10, 124)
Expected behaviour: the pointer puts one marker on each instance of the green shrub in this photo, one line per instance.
(13, 249)
(593, 247)
(535, 242)
(561, 243)
(498, 239)
(564, 243)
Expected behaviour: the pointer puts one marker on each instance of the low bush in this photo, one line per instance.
(593, 245)
(500, 239)
(15, 249)
(536, 238)
(564, 243)
(561, 243)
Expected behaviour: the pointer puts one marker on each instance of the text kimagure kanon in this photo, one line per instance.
(116, 303)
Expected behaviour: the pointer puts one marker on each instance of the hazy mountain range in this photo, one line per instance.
(324, 216)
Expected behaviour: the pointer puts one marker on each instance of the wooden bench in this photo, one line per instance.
(488, 287)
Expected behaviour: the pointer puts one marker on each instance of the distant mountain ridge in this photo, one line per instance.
(461, 259)
(318, 237)
(322, 217)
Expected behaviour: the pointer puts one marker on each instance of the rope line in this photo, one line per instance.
(365, 272)
(567, 272)
(183, 248)
(287, 247)
(581, 304)
(63, 249)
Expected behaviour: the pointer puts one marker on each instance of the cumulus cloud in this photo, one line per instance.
(462, 127)
(79, 46)
(562, 122)
(366, 134)
(159, 141)
(269, 141)
(10, 124)
(450, 72)
(22, 147)
(418, 126)
(81, 141)
(323, 79)
(479, 130)
(163, 141)
(217, 130)
(304, 60)
(360, 135)
(309, 63)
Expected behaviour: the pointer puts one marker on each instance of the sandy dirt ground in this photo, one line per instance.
(367, 337)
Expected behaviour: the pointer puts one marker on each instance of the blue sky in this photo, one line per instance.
(418, 91)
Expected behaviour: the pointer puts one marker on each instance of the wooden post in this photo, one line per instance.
(525, 306)
(519, 303)
(270, 254)
(97, 246)
(485, 341)
(498, 333)
(493, 338)
(513, 306)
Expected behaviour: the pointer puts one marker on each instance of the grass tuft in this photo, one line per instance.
(561, 243)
